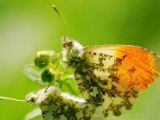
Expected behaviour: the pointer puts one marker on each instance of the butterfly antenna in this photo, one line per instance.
(13, 99)
(54, 7)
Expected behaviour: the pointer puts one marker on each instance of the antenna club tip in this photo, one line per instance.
(54, 7)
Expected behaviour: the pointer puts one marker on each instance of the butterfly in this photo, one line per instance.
(110, 77)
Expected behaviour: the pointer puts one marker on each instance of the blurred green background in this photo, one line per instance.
(27, 26)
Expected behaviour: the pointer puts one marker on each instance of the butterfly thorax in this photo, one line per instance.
(72, 52)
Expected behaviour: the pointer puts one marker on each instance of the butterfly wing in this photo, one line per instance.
(112, 76)
(57, 105)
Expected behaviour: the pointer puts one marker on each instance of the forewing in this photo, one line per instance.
(111, 76)
(131, 62)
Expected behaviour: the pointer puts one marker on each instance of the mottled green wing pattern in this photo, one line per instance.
(109, 79)
(56, 105)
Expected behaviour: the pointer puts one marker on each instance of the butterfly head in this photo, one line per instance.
(71, 49)
(31, 97)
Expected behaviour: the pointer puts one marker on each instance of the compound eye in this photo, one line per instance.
(31, 97)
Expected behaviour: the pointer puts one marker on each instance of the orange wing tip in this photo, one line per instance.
(145, 63)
